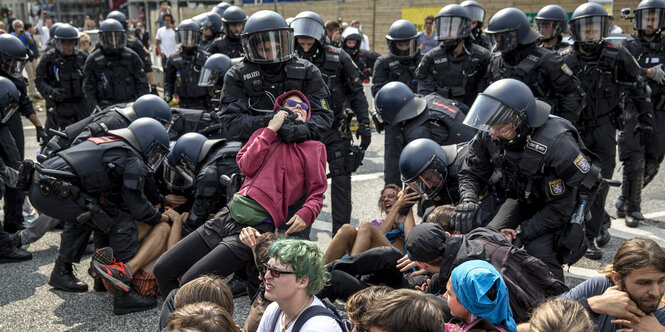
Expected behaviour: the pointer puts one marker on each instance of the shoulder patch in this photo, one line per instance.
(566, 70)
(324, 104)
(582, 164)
(557, 187)
(538, 147)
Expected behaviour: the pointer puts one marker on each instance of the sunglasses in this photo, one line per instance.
(293, 103)
(274, 272)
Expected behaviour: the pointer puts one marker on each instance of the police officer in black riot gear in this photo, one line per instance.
(135, 45)
(50, 43)
(609, 74)
(194, 167)
(212, 76)
(113, 73)
(351, 39)
(13, 56)
(551, 21)
(98, 186)
(60, 79)
(517, 56)
(269, 69)
(9, 165)
(234, 21)
(183, 68)
(477, 14)
(641, 161)
(211, 28)
(539, 165)
(454, 69)
(344, 82)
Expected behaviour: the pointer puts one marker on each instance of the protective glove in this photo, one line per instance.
(519, 240)
(168, 97)
(378, 123)
(657, 74)
(467, 216)
(58, 94)
(153, 90)
(364, 132)
(292, 131)
(42, 137)
(644, 127)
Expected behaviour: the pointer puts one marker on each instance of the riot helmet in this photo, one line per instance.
(188, 34)
(507, 105)
(351, 33)
(66, 35)
(309, 27)
(149, 106)
(213, 71)
(112, 35)
(267, 39)
(211, 21)
(234, 21)
(452, 25)
(396, 102)
(51, 31)
(589, 25)
(9, 99)
(402, 40)
(476, 12)
(118, 16)
(649, 17)
(510, 27)
(423, 166)
(182, 161)
(148, 137)
(221, 8)
(13, 55)
(551, 21)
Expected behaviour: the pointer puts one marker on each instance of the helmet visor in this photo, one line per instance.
(649, 18)
(64, 46)
(476, 13)
(113, 40)
(189, 38)
(155, 155)
(304, 27)
(269, 46)
(490, 115)
(179, 177)
(448, 27)
(12, 66)
(403, 49)
(505, 41)
(430, 181)
(548, 28)
(208, 77)
(590, 29)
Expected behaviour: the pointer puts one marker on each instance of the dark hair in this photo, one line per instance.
(442, 215)
(208, 288)
(356, 306)
(429, 17)
(262, 247)
(405, 310)
(634, 254)
(169, 15)
(332, 25)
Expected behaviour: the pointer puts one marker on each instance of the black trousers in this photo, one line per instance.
(337, 150)
(14, 198)
(393, 145)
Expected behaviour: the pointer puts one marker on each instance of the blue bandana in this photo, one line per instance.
(471, 281)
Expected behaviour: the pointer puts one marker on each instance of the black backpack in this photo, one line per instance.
(313, 311)
(528, 279)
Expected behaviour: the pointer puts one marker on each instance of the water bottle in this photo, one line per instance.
(578, 215)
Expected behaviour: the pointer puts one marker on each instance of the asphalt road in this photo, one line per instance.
(27, 303)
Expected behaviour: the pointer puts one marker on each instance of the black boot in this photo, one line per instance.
(63, 278)
(9, 254)
(620, 205)
(604, 236)
(592, 251)
(127, 302)
(634, 199)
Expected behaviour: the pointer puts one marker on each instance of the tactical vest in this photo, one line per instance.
(114, 79)
(330, 71)
(403, 72)
(87, 161)
(188, 70)
(69, 74)
(649, 54)
(599, 80)
(451, 77)
(444, 112)
(524, 71)
(224, 153)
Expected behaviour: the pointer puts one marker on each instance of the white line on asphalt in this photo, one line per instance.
(580, 272)
(619, 229)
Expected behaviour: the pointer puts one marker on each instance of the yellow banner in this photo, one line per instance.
(417, 15)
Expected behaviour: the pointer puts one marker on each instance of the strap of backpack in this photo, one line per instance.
(314, 311)
(275, 319)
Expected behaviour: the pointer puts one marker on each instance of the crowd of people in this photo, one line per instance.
(504, 140)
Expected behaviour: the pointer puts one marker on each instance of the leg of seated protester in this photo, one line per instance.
(368, 237)
(37, 229)
(341, 286)
(222, 261)
(152, 246)
(377, 263)
(341, 243)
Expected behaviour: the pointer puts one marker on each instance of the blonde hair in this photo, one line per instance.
(205, 288)
(561, 315)
(356, 306)
(201, 316)
(84, 37)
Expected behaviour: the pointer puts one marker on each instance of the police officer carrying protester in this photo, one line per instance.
(641, 161)
(454, 69)
(113, 73)
(517, 56)
(608, 73)
(269, 69)
(98, 186)
(13, 56)
(135, 45)
(344, 82)
(60, 79)
(9, 165)
(551, 21)
(477, 14)
(183, 68)
(229, 44)
(542, 164)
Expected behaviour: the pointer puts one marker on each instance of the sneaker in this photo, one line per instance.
(104, 256)
(119, 274)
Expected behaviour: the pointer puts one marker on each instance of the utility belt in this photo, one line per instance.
(583, 125)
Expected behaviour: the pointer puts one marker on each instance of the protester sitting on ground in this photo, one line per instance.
(557, 315)
(441, 215)
(377, 233)
(630, 294)
(276, 176)
(206, 288)
(356, 306)
(202, 317)
(478, 299)
(292, 276)
(404, 310)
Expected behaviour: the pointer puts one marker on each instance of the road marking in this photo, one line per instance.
(619, 229)
(580, 272)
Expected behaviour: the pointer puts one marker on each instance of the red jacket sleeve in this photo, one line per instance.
(315, 183)
(252, 155)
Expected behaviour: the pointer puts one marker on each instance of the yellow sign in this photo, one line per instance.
(417, 15)
(608, 4)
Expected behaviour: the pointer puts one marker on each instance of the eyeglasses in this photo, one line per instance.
(293, 103)
(429, 22)
(274, 272)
